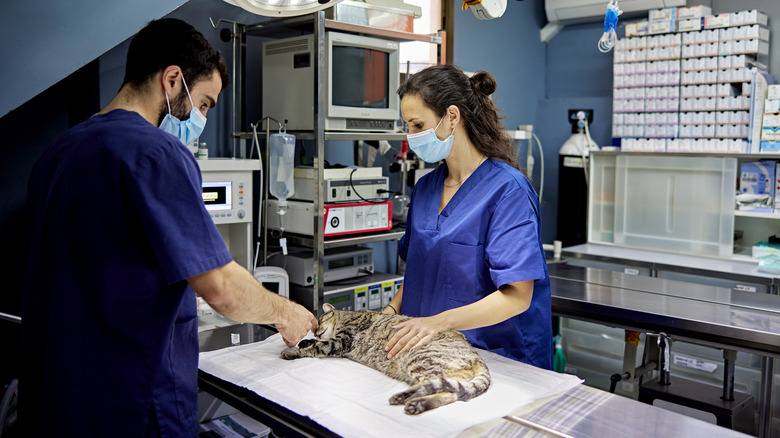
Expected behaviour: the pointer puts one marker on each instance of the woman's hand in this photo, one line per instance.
(412, 333)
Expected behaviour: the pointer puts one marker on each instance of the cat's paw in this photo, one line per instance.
(415, 406)
(306, 343)
(399, 398)
(293, 353)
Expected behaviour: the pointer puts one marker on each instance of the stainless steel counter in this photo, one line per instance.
(718, 317)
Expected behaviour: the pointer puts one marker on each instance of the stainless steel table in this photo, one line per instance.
(582, 412)
(718, 317)
(585, 412)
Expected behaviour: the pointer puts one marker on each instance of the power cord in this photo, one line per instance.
(373, 200)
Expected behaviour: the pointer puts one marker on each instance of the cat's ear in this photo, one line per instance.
(327, 307)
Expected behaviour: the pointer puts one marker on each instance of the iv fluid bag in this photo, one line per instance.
(281, 152)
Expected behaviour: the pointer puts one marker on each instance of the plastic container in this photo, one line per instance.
(684, 204)
(281, 182)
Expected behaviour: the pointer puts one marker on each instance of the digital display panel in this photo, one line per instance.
(217, 195)
(273, 286)
(341, 263)
(339, 299)
(361, 77)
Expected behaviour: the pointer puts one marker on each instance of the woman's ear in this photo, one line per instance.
(453, 115)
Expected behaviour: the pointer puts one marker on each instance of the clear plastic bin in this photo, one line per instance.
(679, 204)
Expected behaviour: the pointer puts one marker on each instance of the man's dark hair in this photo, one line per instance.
(168, 42)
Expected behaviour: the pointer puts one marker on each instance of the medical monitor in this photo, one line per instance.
(218, 195)
(361, 77)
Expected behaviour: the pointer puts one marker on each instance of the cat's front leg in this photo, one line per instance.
(300, 350)
(314, 348)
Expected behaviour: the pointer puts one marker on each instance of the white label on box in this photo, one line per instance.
(631, 29)
(773, 92)
(663, 14)
(692, 362)
(716, 21)
(693, 12)
(691, 24)
(771, 120)
(770, 134)
(661, 27)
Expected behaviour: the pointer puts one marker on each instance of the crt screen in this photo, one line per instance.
(360, 77)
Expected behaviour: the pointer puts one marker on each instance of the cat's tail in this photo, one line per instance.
(474, 387)
(478, 382)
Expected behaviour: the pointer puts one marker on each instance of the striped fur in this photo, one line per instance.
(440, 371)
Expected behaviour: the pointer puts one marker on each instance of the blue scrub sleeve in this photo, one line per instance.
(512, 245)
(403, 244)
(166, 192)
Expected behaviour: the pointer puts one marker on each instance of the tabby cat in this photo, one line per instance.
(440, 371)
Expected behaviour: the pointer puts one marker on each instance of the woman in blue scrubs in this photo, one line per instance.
(473, 249)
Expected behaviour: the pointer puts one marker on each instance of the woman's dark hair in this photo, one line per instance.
(168, 42)
(440, 86)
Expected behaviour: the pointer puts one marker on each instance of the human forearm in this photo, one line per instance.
(233, 292)
(512, 299)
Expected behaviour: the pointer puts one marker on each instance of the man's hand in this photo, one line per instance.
(297, 323)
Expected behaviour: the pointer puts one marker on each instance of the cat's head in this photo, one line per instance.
(328, 322)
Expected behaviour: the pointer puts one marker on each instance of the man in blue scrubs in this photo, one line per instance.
(473, 249)
(121, 243)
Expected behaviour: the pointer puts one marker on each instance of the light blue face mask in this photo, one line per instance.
(427, 145)
(186, 131)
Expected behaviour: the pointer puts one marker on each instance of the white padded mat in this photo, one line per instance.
(351, 399)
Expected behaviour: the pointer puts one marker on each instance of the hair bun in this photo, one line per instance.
(483, 82)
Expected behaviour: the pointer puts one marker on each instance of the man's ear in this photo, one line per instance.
(171, 79)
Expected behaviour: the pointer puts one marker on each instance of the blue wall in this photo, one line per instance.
(45, 41)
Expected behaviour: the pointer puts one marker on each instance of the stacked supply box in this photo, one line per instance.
(689, 90)
(770, 127)
(757, 186)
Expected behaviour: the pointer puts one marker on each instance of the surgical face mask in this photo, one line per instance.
(427, 145)
(186, 131)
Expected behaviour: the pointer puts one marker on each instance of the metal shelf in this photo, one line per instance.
(359, 239)
(282, 26)
(741, 213)
(763, 156)
(333, 135)
(316, 24)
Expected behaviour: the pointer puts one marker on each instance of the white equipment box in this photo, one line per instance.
(340, 219)
(337, 264)
(342, 185)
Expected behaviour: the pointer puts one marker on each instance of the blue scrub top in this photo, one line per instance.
(488, 235)
(109, 322)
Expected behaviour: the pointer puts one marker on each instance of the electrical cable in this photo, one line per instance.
(541, 159)
(373, 200)
(589, 145)
(256, 143)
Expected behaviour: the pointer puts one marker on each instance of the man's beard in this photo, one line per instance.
(178, 108)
